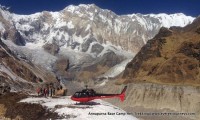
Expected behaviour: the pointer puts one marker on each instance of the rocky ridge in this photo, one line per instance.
(172, 56)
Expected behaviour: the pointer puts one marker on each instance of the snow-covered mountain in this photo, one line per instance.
(89, 28)
(91, 38)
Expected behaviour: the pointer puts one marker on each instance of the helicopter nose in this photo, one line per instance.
(72, 97)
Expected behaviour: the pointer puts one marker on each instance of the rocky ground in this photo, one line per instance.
(20, 106)
(11, 108)
(149, 98)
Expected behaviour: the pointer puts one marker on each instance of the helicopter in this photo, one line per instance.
(87, 95)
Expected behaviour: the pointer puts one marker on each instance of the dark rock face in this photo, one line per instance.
(87, 43)
(74, 45)
(110, 59)
(18, 39)
(51, 48)
(198, 30)
(2, 54)
(175, 28)
(61, 66)
(5, 35)
(191, 49)
(37, 25)
(97, 48)
(15, 36)
(4, 88)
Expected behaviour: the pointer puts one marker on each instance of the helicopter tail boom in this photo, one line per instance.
(124, 90)
(122, 95)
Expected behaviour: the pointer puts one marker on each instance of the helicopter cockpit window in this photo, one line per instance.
(83, 95)
(76, 94)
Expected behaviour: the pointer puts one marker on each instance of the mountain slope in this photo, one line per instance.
(172, 56)
(91, 39)
(164, 76)
(20, 73)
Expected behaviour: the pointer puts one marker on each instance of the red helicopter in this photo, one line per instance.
(87, 95)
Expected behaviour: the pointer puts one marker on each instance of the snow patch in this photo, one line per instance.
(88, 27)
(70, 8)
(82, 112)
(2, 27)
(70, 25)
(169, 20)
(116, 70)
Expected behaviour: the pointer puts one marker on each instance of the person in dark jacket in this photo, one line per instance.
(46, 92)
(54, 91)
(38, 91)
(51, 91)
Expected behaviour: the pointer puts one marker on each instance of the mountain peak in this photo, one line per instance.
(72, 8)
(87, 5)
(75, 24)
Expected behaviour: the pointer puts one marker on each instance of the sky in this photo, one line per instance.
(120, 7)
